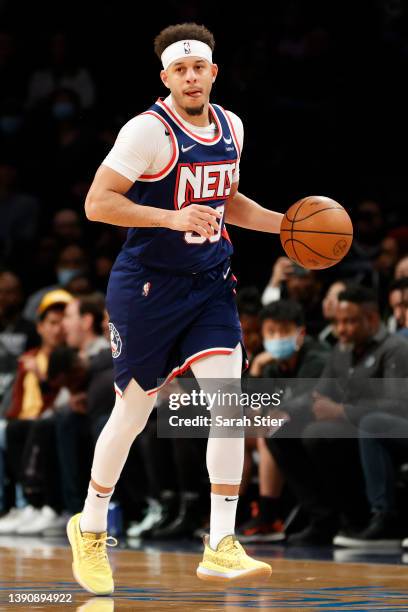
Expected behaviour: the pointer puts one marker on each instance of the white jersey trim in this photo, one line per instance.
(219, 350)
(145, 178)
(204, 141)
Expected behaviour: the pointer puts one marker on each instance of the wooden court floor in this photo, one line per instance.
(162, 581)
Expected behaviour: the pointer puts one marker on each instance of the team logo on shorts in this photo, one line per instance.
(146, 289)
(116, 342)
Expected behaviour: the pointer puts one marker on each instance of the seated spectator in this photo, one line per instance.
(401, 269)
(17, 334)
(329, 306)
(358, 267)
(86, 409)
(289, 353)
(304, 286)
(395, 299)
(102, 266)
(317, 449)
(387, 258)
(282, 269)
(66, 227)
(30, 399)
(81, 284)
(249, 306)
(72, 261)
(383, 439)
(404, 330)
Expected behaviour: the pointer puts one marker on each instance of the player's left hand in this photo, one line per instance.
(325, 408)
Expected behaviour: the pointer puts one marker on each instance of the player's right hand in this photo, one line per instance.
(196, 218)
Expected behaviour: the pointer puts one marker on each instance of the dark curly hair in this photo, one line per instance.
(182, 31)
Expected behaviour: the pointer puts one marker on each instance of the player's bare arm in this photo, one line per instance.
(244, 212)
(107, 203)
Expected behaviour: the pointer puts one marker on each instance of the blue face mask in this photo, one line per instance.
(65, 275)
(281, 348)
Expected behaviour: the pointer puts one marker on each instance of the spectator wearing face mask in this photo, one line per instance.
(319, 453)
(288, 353)
(71, 262)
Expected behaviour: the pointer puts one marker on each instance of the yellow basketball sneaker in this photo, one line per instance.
(229, 562)
(90, 562)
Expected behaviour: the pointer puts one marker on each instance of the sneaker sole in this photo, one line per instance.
(235, 575)
(79, 580)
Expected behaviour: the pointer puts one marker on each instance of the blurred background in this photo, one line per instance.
(320, 87)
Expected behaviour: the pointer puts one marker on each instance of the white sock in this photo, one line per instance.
(94, 517)
(222, 520)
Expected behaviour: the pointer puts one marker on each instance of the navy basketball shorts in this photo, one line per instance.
(160, 323)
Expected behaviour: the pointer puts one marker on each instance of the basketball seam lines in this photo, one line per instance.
(319, 232)
(313, 213)
(293, 242)
(310, 249)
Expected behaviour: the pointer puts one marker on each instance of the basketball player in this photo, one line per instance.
(172, 178)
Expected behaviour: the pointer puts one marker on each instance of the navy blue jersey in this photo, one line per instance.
(200, 171)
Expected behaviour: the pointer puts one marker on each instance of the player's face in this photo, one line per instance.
(190, 82)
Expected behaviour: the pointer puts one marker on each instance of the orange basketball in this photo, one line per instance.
(316, 232)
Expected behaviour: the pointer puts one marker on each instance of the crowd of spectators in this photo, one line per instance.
(61, 107)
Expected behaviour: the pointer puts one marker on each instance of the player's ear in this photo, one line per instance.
(163, 76)
(214, 70)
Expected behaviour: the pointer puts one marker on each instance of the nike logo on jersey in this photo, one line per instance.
(185, 149)
(227, 140)
(226, 274)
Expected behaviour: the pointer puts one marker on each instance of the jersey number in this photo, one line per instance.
(193, 238)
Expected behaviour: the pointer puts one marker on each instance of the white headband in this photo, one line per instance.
(185, 48)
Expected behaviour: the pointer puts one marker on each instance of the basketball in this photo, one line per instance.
(316, 232)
